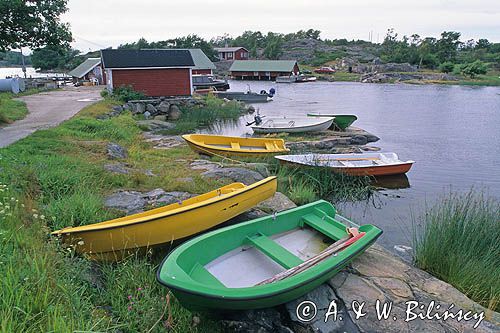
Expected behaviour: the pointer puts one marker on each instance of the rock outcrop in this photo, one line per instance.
(131, 202)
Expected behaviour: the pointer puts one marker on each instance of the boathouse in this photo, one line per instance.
(161, 72)
(202, 64)
(88, 71)
(232, 53)
(263, 69)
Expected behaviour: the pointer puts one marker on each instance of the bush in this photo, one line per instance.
(458, 241)
(446, 67)
(104, 93)
(127, 93)
(474, 68)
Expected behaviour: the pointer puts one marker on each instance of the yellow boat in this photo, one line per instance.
(234, 146)
(112, 240)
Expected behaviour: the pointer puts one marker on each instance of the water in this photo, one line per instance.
(450, 131)
(18, 71)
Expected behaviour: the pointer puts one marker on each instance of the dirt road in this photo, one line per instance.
(48, 109)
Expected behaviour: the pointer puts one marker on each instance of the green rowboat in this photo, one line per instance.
(341, 121)
(263, 262)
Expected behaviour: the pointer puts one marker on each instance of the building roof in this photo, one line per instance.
(158, 58)
(228, 49)
(85, 67)
(201, 61)
(263, 66)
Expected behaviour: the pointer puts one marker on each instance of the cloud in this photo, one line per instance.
(96, 24)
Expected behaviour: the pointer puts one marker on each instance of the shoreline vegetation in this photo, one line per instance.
(56, 178)
(458, 241)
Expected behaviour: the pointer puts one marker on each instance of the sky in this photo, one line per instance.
(99, 24)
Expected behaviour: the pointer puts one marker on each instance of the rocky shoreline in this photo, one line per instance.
(375, 275)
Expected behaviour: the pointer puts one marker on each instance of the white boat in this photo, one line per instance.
(293, 125)
(366, 164)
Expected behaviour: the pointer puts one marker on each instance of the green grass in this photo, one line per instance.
(10, 109)
(58, 180)
(458, 241)
(304, 185)
(215, 109)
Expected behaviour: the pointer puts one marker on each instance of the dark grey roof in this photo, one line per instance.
(146, 58)
(85, 67)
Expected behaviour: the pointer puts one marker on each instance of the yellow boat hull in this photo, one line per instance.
(218, 145)
(111, 240)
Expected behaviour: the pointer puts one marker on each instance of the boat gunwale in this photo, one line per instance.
(259, 128)
(174, 212)
(283, 158)
(187, 137)
(272, 293)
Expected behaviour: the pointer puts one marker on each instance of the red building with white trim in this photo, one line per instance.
(162, 72)
(232, 53)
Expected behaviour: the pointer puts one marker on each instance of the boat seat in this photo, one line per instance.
(270, 146)
(325, 225)
(275, 251)
(235, 145)
(200, 274)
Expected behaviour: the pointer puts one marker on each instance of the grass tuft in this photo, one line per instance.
(458, 241)
(11, 109)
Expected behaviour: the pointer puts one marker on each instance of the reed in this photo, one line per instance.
(458, 241)
(306, 184)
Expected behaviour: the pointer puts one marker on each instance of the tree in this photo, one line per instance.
(447, 46)
(474, 68)
(54, 57)
(273, 46)
(33, 23)
(447, 67)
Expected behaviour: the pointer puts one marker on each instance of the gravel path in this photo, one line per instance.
(48, 109)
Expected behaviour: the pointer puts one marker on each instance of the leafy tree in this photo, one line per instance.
(273, 46)
(474, 68)
(33, 23)
(447, 46)
(54, 57)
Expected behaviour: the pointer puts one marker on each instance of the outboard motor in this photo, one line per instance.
(258, 120)
(272, 91)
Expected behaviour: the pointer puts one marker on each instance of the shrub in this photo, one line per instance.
(127, 93)
(474, 68)
(446, 67)
(104, 93)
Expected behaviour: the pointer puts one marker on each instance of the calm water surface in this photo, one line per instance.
(452, 132)
(17, 71)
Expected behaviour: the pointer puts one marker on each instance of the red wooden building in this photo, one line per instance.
(162, 72)
(232, 53)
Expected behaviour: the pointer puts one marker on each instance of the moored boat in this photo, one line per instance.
(202, 82)
(266, 261)
(234, 146)
(342, 121)
(113, 239)
(366, 164)
(247, 97)
(292, 125)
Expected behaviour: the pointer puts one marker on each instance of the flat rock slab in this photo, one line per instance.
(163, 141)
(242, 175)
(131, 202)
(48, 109)
(115, 151)
(154, 125)
(205, 165)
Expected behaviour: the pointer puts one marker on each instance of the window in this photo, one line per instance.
(230, 55)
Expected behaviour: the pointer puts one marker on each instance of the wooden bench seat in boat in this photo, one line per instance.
(235, 145)
(275, 251)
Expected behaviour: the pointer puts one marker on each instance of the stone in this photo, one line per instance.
(154, 194)
(174, 113)
(377, 262)
(277, 203)
(170, 198)
(139, 108)
(160, 117)
(117, 108)
(258, 321)
(155, 125)
(163, 141)
(204, 165)
(128, 106)
(242, 175)
(127, 201)
(147, 114)
(163, 107)
(396, 287)
(115, 151)
(251, 109)
(358, 140)
(120, 168)
(151, 109)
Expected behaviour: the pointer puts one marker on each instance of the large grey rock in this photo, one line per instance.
(120, 168)
(244, 176)
(358, 140)
(258, 321)
(115, 151)
(277, 203)
(151, 109)
(174, 112)
(163, 141)
(170, 198)
(163, 107)
(155, 125)
(127, 201)
(205, 165)
(139, 108)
